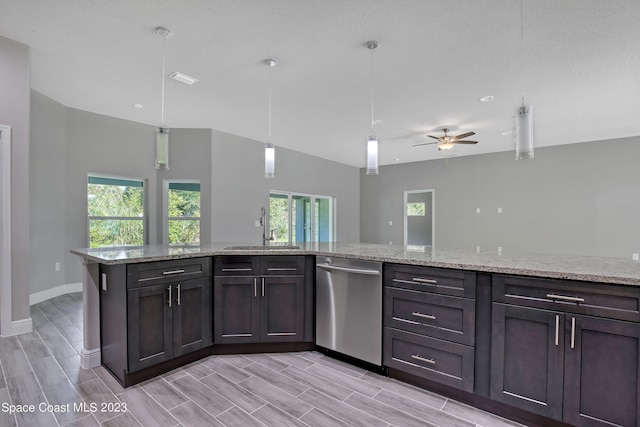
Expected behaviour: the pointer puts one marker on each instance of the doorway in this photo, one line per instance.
(419, 218)
(5, 231)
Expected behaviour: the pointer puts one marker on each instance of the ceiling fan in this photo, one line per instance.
(447, 142)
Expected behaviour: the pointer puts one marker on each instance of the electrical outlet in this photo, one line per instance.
(477, 249)
(477, 210)
(258, 223)
(390, 242)
(104, 282)
(390, 222)
(499, 210)
(57, 266)
(634, 257)
(499, 250)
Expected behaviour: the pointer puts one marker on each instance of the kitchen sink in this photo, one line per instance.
(260, 247)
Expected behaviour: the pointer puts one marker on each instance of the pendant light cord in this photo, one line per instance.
(270, 67)
(522, 47)
(164, 39)
(372, 88)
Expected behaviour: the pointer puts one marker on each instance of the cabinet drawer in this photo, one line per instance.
(595, 299)
(158, 272)
(281, 265)
(236, 265)
(440, 316)
(430, 358)
(437, 280)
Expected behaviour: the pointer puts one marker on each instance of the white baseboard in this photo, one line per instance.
(54, 292)
(90, 358)
(18, 327)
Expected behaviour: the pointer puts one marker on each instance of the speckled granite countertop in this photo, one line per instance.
(595, 269)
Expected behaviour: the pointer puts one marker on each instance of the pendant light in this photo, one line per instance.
(523, 133)
(269, 148)
(372, 139)
(162, 133)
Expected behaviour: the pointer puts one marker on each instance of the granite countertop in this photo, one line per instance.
(586, 268)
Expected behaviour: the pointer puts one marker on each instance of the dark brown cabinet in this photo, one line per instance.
(153, 312)
(429, 323)
(260, 299)
(550, 360)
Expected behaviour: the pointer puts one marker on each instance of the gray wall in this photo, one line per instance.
(15, 74)
(67, 144)
(47, 194)
(578, 199)
(240, 189)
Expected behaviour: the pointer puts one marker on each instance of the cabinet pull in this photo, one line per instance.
(426, 316)
(263, 286)
(179, 292)
(428, 281)
(167, 273)
(573, 332)
(255, 286)
(422, 359)
(237, 269)
(565, 298)
(281, 269)
(557, 328)
(169, 287)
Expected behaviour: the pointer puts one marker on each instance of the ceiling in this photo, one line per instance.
(435, 59)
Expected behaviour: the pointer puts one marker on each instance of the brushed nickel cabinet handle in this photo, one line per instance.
(557, 328)
(426, 316)
(255, 286)
(263, 286)
(428, 281)
(422, 359)
(565, 298)
(179, 292)
(167, 273)
(169, 287)
(573, 332)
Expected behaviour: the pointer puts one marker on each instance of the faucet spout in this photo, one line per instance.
(263, 223)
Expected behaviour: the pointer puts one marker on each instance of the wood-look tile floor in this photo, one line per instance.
(42, 368)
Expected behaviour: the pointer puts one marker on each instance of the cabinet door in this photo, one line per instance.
(192, 316)
(281, 308)
(527, 359)
(602, 372)
(150, 328)
(236, 310)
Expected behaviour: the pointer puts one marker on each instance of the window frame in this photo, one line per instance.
(165, 210)
(290, 195)
(143, 218)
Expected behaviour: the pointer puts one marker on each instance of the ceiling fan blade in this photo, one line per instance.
(434, 137)
(465, 142)
(424, 143)
(464, 135)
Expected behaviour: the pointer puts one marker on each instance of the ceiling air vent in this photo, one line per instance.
(183, 78)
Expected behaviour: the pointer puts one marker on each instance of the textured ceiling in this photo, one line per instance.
(434, 61)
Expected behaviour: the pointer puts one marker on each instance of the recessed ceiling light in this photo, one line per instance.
(183, 78)
(487, 98)
(397, 159)
(138, 106)
(506, 132)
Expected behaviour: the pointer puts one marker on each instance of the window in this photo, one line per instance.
(115, 209)
(182, 212)
(301, 218)
(416, 209)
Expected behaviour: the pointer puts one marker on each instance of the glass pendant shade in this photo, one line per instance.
(524, 133)
(162, 148)
(269, 161)
(372, 155)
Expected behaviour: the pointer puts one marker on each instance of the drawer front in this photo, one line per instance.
(158, 272)
(236, 265)
(430, 358)
(594, 299)
(439, 316)
(458, 283)
(281, 265)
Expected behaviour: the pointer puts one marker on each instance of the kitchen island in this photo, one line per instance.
(512, 324)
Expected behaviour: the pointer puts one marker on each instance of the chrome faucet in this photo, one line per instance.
(263, 223)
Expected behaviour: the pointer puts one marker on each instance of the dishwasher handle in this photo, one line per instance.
(349, 269)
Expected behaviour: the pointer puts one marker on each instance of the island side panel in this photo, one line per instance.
(113, 318)
(90, 354)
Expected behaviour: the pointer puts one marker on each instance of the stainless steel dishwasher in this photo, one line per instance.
(349, 307)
